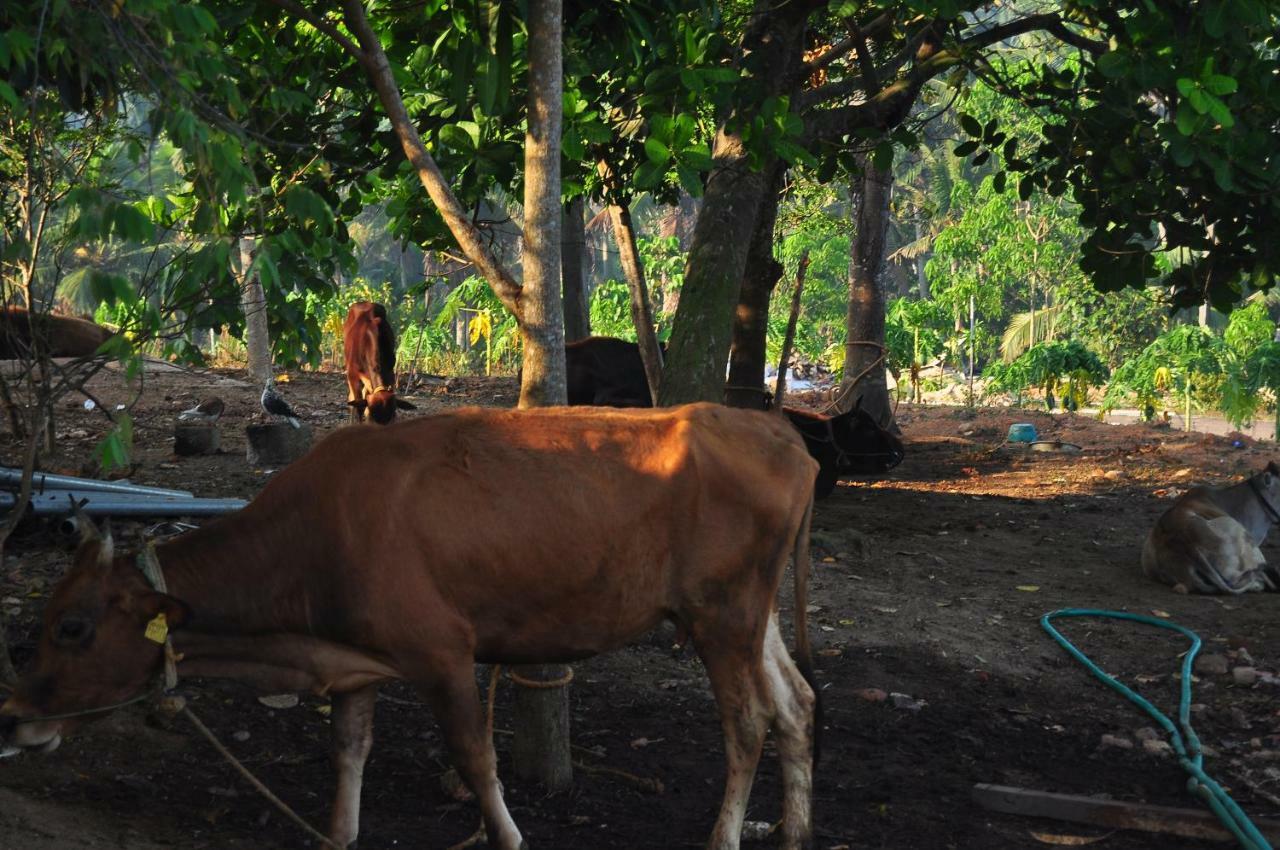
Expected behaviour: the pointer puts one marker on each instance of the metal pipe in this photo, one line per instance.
(42, 481)
(118, 504)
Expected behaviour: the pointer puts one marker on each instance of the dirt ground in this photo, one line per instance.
(927, 584)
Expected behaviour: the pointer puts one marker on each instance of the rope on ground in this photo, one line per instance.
(1185, 742)
(178, 704)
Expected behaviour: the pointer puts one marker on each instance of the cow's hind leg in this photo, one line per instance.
(736, 670)
(455, 701)
(352, 736)
(793, 702)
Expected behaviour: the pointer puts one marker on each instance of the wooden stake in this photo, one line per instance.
(1190, 823)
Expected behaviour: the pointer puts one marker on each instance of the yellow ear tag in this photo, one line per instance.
(158, 629)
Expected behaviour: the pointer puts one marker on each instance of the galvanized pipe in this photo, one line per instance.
(42, 481)
(58, 503)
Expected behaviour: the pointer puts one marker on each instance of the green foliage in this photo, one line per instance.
(1186, 362)
(915, 333)
(116, 449)
(1167, 142)
(1066, 369)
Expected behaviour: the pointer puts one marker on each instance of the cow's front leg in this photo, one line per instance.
(352, 736)
(453, 697)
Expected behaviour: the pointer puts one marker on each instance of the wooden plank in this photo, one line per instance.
(1189, 823)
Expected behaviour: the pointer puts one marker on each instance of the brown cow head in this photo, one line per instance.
(381, 404)
(93, 651)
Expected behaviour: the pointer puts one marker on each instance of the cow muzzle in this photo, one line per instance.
(17, 735)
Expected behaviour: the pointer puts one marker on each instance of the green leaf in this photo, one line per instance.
(460, 137)
(649, 175)
(1220, 84)
(1219, 112)
(1113, 65)
(658, 153)
(1187, 121)
(1199, 100)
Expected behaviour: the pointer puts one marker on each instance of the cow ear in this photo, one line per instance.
(404, 405)
(176, 612)
(107, 547)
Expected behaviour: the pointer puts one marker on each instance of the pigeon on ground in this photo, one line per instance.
(274, 403)
(209, 410)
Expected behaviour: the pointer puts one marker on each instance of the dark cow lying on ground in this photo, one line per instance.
(493, 536)
(606, 371)
(369, 347)
(60, 336)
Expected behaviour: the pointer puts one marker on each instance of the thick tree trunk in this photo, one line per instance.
(573, 249)
(864, 341)
(542, 714)
(771, 50)
(745, 387)
(624, 233)
(541, 309)
(257, 334)
(703, 328)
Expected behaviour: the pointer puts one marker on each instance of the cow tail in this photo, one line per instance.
(804, 652)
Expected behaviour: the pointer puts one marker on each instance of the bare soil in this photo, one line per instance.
(928, 583)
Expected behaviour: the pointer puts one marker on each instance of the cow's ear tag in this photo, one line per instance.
(158, 629)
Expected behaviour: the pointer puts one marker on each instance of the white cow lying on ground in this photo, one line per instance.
(1208, 541)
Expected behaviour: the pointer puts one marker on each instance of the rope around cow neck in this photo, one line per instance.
(1185, 742)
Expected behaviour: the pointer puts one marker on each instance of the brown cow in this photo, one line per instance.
(369, 346)
(494, 536)
(1208, 540)
(605, 371)
(60, 336)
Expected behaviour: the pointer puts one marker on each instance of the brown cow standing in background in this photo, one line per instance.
(369, 346)
(493, 536)
(60, 336)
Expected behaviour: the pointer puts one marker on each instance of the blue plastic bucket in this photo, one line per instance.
(1022, 432)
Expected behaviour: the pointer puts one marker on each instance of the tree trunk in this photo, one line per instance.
(771, 50)
(573, 246)
(703, 327)
(922, 280)
(542, 714)
(864, 324)
(788, 339)
(542, 312)
(374, 60)
(257, 334)
(747, 354)
(641, 311)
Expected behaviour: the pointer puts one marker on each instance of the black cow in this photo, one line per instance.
(605, 371)
(850, 443)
